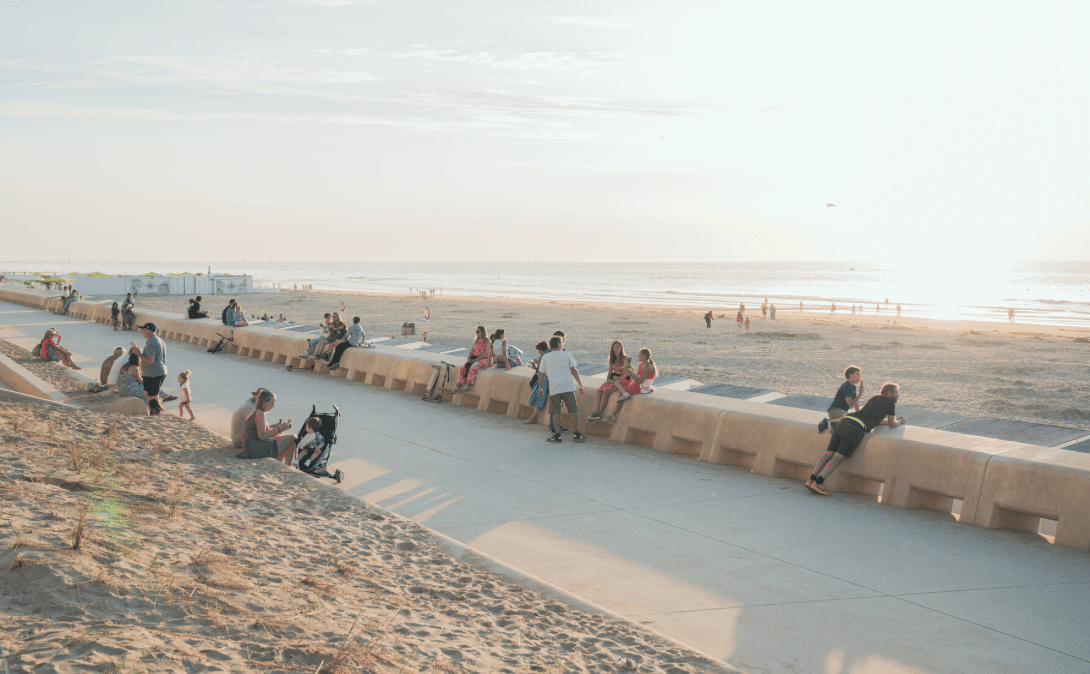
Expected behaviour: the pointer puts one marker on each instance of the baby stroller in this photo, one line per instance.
(317, 466)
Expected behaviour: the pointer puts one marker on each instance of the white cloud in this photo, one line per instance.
(232, 72)
(570, 63)
(604, 21)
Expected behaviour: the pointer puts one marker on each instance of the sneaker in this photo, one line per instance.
(810, 486)
(610, 419)
(579, 437)
(594, 417)
(168, 397)
(820, 489)
(332, 366)
(554, 438)
(305, 354)
(822, 425)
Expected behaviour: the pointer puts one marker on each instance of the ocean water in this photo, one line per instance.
(1055, 293)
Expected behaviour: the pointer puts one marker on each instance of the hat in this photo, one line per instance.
(148, 326)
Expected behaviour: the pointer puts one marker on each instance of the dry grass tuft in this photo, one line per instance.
(320, 586)
(348, 571)
(76, 460)
(81, 528)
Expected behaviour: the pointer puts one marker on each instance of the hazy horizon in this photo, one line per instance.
(952, 136)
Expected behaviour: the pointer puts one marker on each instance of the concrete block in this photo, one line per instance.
(23, 381)
(1028, 488)
(129, 405)
(677, 422)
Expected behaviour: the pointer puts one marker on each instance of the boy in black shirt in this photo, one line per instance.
(879, 411)
(846, 397)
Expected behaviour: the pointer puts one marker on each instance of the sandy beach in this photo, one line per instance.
(145, 545)
(1030, 373)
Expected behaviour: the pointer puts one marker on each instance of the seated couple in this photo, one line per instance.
(234, 316)
(624, 380)
(339, 338)
(486, 351)
(194, 309)
(252, 433)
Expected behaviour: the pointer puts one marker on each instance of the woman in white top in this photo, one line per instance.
(503, 353)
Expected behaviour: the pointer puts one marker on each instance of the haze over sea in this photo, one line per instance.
(1056, 293)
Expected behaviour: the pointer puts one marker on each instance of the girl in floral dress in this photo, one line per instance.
(618, 361)
(480, 357)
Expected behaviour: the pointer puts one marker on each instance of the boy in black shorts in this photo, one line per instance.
(879, 411)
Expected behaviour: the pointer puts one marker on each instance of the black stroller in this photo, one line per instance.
(317, 466)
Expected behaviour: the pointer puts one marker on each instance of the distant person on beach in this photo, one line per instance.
(560, 369)
(480, 357)
(853, 310)
(618, 361)
(800, 307)
(195, 309)
(832, 311)
(747, 323)
(239, 416)
(50, 349)
(708, 318)
(1010, 315)
(539, 386)
(878, 308)
(739, 321)
(879, 411)
(186, 394)
(281, 319)
(764, 308)
(153, 361)
(742, 308)
(898, 309)
(772, 312)
(847, 396)
(262, 440)
(115, 315)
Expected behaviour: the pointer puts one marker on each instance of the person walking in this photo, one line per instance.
(559, 368)
(708, 318)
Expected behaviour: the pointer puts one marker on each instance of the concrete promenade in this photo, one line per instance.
(752, 570)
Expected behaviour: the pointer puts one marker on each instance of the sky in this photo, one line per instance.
(346, 130)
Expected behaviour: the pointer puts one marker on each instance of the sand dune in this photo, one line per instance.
(144, 545)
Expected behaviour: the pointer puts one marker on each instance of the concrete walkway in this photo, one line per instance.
(751, 570)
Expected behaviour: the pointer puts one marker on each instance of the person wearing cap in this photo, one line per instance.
(153, 360)
(239, 417)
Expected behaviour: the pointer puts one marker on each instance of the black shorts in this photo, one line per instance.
(847, 436)
(152, 384)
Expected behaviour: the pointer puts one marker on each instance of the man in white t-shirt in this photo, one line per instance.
(559, 367)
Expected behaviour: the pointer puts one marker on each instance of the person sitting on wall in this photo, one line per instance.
(72, 297)
(50, 349)
(353, 336)
(236, 316)
(107, 368)
(230, 307)
(128, 315)
(195, 309)
(239, 416)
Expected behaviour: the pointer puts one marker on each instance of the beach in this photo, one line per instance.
(1032, 373)
(145, 545)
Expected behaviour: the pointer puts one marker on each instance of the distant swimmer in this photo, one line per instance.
(878, 308)
(898, 309)
(1010, 315)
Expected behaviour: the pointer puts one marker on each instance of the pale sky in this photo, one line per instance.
(403, 130)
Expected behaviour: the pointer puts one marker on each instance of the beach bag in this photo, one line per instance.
(261, 449)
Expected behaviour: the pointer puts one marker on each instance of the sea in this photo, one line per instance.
(1055, 293)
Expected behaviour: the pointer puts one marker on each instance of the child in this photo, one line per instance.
(747, 323)
(115, 313)
(846, 396)
(311, 446)
(739, 320)
(186, 394)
